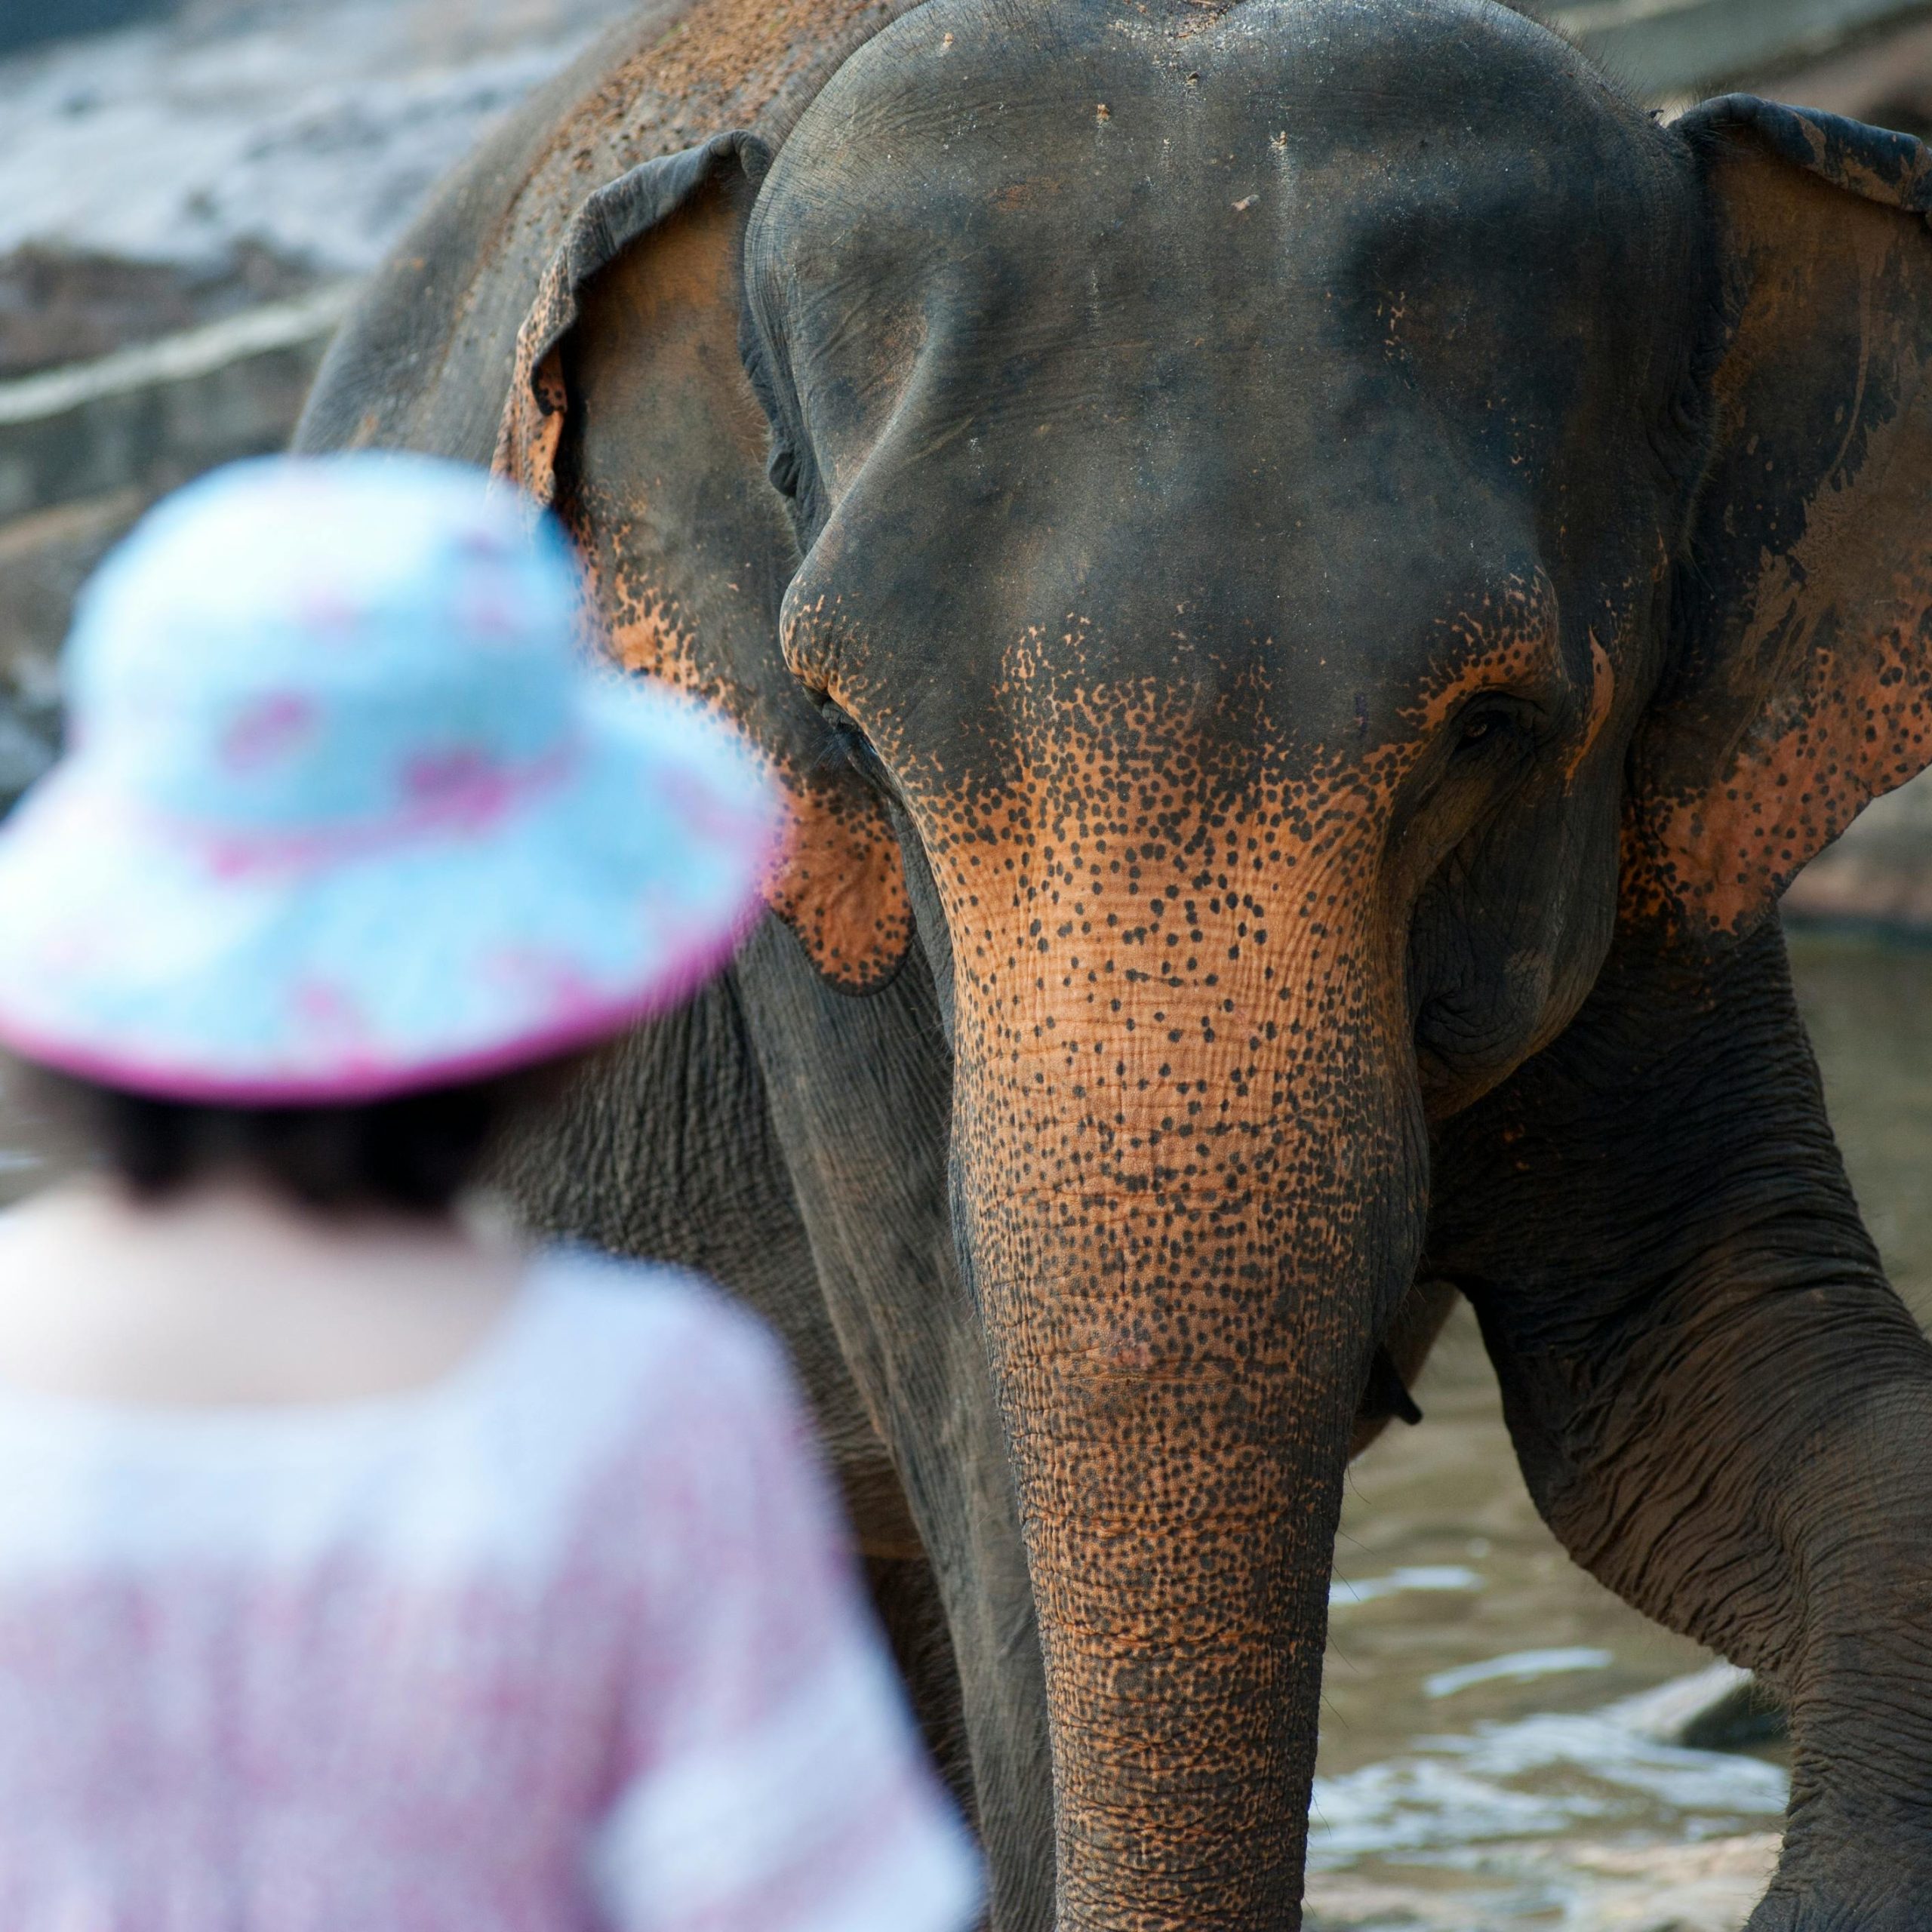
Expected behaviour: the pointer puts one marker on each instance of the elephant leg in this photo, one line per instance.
(861, 1096)
(1721, 1406)
(662, 1147)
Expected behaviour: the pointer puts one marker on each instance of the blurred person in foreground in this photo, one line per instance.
(360, 1572)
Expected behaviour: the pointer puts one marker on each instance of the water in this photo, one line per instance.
(1481, 1765)
(1479, 1768)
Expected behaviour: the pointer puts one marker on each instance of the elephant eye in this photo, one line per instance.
(854, 745)
(1485, 724)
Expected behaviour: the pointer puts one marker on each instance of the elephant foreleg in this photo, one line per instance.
(1721, 1406)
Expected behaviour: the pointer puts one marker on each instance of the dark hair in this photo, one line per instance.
(411, 1154)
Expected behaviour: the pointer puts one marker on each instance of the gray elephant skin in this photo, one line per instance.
(1308, 573)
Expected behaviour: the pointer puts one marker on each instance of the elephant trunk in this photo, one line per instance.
(1192, 1184)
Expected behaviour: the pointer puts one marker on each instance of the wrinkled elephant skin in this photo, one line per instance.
(1309, 573)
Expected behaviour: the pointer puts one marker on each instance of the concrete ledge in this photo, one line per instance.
(149, 416)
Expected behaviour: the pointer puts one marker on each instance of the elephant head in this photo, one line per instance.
(1265, 539)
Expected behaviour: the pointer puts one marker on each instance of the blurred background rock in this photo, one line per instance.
(190, 190)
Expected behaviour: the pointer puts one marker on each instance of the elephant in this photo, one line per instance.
(1307, 572)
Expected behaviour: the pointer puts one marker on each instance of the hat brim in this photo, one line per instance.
(150, 957)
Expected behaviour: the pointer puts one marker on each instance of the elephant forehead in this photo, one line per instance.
(970, 119)
(1269, 321)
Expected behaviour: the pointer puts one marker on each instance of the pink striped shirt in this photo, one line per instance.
(568, 1642)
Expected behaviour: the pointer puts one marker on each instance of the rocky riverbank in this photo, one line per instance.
(189, 201)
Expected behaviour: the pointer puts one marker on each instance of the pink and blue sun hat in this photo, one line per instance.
(347, 813)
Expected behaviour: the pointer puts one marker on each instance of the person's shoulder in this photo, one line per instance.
(37, 1234)
(668, 1327)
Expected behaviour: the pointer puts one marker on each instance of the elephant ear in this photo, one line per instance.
(632, 413)
(1801, 681)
